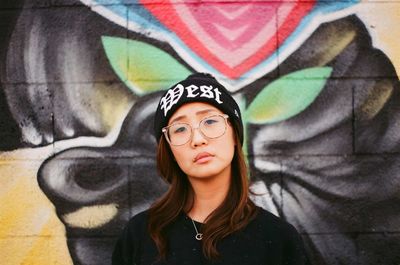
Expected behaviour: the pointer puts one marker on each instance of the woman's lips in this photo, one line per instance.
(203, 158)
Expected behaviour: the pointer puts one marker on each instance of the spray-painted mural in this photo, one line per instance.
(316, 81)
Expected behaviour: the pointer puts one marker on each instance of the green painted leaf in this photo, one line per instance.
(144, 68)
(287, 96)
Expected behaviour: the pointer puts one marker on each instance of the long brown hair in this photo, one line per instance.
(234, 213)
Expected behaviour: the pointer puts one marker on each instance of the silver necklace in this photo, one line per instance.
(199, 236)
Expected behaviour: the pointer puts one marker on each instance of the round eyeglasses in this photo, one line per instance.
(211, 127)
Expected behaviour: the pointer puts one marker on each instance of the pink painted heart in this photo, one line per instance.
(231, 36)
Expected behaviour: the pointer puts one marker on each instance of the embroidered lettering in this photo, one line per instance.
(217, 94)
(171, 98)
(190, 91)
(207, 92)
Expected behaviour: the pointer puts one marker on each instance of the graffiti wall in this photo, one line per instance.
(317, 82)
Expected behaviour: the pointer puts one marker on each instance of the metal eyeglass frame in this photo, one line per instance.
(165, 129)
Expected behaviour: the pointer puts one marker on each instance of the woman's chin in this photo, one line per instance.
(206, 171)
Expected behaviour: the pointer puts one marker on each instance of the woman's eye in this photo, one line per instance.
(210, 121)
(179, 129)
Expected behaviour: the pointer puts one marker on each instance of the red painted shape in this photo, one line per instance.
(233, 37)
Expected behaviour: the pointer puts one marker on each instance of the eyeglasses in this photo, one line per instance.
(211, 127)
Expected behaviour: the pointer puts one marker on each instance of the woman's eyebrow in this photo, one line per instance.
(177, 119)
(204, 111)
(197, 113)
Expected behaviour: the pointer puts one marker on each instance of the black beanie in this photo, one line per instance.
(198, 87)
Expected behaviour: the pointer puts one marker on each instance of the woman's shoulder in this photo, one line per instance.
(271, 228)
(270, 223)
(139, 220)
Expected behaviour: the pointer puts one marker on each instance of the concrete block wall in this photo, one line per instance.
(317, 82)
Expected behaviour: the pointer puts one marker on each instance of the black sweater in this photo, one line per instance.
(266, 240)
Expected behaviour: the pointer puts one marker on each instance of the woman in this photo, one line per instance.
(206, 216)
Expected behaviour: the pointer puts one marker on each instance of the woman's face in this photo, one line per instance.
(202, 157)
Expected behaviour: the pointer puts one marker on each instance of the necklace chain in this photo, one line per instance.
(199, 236)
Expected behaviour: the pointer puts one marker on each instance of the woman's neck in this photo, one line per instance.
(208, 194)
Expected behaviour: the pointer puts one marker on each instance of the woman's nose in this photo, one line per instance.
(197, 138)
